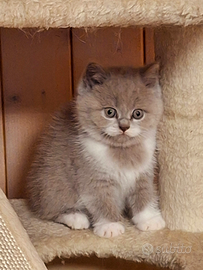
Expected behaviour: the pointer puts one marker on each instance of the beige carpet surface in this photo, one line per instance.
(173, 249)
(99, 13)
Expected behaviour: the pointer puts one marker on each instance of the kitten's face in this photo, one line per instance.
(119, 106)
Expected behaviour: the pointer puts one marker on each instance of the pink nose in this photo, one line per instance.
(124, 128)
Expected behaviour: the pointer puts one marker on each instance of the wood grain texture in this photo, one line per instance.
(106, 46)
(36, 81)
(2, 153)
(2, 150)
(149, 54)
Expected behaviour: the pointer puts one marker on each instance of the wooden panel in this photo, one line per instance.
(2, 153)
(149, 45)
(107, 46)
(36, 80)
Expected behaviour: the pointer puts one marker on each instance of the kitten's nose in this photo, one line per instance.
(124, 128)
(124, 124)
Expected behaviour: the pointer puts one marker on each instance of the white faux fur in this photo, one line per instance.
(53, 239)
(180, 133)
(82, 13)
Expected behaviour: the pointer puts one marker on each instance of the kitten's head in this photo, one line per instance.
(119, 106)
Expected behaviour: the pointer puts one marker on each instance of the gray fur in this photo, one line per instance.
(67, 177)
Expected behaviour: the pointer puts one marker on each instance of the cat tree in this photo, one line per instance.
(179, 48)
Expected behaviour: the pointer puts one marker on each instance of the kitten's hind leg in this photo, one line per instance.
(74, 220)
(149, 219)
(146, 214)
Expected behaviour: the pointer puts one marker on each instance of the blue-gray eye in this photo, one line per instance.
(138, 114)
(110, 112)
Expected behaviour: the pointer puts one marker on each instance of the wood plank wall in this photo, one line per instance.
(39, 72)
(2, 139)
(109, 47)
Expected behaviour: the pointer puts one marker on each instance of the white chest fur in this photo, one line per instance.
(126, 177)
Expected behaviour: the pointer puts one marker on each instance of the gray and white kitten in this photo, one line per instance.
(97, 157)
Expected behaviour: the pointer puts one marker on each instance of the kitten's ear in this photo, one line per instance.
(150, 74)
(94, 74)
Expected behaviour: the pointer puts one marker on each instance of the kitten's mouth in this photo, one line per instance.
(118, 140)
(114, 136)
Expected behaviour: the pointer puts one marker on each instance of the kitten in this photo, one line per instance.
(97, 157)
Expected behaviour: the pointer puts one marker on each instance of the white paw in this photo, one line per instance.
(76, 221)
(153, 224)
(149, 219)
(108, 230)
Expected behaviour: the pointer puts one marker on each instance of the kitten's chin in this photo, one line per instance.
(121, 140)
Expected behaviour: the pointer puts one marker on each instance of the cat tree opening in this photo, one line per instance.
(179, 49)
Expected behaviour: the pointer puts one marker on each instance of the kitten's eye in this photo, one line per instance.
(138, 114)
(110, 112)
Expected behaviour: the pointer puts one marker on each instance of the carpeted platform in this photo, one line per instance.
(173, 249)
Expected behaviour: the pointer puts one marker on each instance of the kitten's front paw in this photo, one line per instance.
(76, 221)
(108, 230)
(153, 224)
